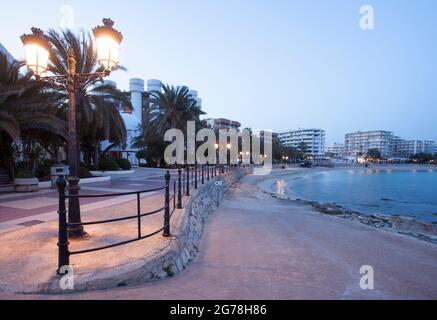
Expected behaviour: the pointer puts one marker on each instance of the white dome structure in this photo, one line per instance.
(154, 85)
(110, 83)
(195, 95)
(136, 87)
(130, 121)
(199, 103)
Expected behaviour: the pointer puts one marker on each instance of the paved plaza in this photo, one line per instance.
(19, 211)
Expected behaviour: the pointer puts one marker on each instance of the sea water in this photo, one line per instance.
(405, 192)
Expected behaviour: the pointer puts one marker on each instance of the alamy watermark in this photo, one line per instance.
(67, 17)
(67, 280)
(367, 21)
(367, 281)
(231, 147)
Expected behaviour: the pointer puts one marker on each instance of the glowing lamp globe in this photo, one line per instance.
(36, 51)
(108, 41)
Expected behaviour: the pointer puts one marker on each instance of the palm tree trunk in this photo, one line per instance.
(96, 155)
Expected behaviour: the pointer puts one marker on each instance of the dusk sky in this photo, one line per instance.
(272, 64)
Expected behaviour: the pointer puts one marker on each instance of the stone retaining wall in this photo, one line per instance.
(187, 230)
(205, 201)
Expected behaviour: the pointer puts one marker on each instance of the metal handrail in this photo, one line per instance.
(115, 220)
(183, 189)
(107, 195)
(116, 244)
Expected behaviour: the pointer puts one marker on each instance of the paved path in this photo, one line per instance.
(257, 247)
(19, 211)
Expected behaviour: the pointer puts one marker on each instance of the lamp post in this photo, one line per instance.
(37, 50)
(217, 159)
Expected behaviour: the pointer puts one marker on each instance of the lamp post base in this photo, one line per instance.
(74, 232)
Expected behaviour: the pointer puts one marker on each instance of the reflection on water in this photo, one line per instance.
(280, 187)
(370, 191)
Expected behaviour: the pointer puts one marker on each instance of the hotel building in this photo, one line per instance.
(223, 124)
(359, 143)
(408, 148)
(335, 150)
(389, 145)
(314, 140)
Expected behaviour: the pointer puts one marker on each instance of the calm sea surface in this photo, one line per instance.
(409, 193)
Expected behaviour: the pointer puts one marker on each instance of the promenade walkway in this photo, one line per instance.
(257, 247)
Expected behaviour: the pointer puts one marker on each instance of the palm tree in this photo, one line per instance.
(172, 108)
(97, 103)
(151, 143)
(25, 105)
(303, 149)
(108, 125)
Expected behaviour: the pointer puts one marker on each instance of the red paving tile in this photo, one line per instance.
(136, 184)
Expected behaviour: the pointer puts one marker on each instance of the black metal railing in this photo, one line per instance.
(182, 183)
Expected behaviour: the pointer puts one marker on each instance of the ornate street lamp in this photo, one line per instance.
(37, 49)
(108, 41)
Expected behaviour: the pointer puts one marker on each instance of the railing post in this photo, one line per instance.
(167, 207)
(184, 184)
(188, 182)
(208, 166)
(203, 174)
(63, 254)
(195, 176)
(139, 214)
(180, 189)
(174, 194)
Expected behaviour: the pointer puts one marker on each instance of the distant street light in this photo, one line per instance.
(36, 49)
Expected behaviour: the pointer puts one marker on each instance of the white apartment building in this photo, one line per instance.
(336, 150)
(407, 148)
(223, 124)
(314, 140)
(359, 143)
(387, 143)
(6, 53)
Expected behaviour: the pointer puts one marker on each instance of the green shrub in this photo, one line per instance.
(142, 155)
(24, 174)
(124, 164)
(22, 171)
(108, 164)
(43, 170)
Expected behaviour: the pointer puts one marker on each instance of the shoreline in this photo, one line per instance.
(405, 225)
